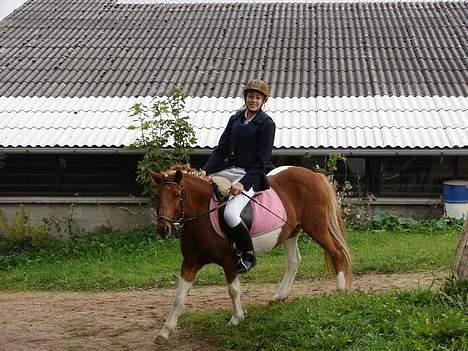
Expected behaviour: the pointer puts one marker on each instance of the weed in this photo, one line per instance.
(385, 221)
(19, 233)
(454, 292)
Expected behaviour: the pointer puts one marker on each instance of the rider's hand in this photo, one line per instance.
(237, 188)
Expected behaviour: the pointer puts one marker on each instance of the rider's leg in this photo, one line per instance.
(239, 233)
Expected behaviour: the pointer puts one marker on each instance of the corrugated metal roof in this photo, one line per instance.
(345, 122)
(259, 1)
(308, 49)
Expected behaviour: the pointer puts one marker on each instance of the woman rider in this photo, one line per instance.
(242, 155)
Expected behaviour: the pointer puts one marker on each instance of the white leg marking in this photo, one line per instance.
(234, 293)
(293, 258)
(341, 281)
(176, 310)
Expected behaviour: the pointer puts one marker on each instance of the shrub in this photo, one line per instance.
(20, 233)
(386, 221)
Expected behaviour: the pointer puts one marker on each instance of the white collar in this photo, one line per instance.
(247, 120)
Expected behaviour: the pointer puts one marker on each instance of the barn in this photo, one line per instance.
(382, 82)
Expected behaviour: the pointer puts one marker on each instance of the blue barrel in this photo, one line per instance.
(455, 191)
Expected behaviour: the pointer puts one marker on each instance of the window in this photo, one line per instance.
(114, 175)
(69, 175)
(414, 176)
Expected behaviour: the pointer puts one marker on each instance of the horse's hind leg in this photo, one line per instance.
(293, 258)
(234, 293)
(185, 283)
(335, 257)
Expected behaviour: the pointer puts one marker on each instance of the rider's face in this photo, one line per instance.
(254, 101)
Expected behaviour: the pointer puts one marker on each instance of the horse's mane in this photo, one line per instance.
(186, 168)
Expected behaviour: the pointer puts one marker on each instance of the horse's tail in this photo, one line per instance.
(337, 230)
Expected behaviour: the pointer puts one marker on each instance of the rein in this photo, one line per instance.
(266, 208)
(182, 220)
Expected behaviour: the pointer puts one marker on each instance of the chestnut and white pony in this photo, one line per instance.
(311, 206)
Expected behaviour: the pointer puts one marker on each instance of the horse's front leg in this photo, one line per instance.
(187, 277)
(234, 293)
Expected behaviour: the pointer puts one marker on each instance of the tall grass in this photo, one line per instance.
(408, 320)
(139, 259)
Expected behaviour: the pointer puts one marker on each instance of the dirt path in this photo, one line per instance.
(130, 320)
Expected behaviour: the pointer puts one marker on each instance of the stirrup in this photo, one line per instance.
(245, 262)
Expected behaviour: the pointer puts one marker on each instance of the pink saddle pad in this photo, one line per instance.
(263, 221)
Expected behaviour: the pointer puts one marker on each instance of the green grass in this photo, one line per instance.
(140, 260)
(410, 320)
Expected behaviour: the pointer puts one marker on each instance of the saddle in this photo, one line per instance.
(262, 215)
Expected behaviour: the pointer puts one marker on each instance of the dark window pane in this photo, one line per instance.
(85, 175)
(415, 175)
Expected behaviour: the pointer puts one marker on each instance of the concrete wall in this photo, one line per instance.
(81, 214)
(416, 208)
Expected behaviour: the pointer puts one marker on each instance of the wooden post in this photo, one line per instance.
(460, 264)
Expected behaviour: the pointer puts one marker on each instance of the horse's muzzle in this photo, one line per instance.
(164, 228)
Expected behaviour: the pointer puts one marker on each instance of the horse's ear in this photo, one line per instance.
(178, 176)
(155, 178)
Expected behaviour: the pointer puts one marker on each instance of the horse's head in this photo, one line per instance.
(170, 197)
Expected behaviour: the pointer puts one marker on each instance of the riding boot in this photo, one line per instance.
(244, 251)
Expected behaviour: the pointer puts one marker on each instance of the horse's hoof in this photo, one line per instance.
(277, 299)
(160, 339)
(235, 320)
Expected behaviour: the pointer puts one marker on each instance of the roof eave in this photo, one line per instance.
(276, 151)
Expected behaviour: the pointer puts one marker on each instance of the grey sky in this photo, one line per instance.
(7, 6)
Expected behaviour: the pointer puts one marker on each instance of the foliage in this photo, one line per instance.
(165, 134)
(332, 162)
(385, 221)
(407, 320)
(19, 233)
(139, 259)
(454, 292)
(355, 213)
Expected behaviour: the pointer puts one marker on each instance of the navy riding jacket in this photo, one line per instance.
(247, 146)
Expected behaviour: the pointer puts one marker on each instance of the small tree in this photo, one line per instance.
(166, 135)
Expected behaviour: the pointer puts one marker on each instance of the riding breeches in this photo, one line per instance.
(236, 203)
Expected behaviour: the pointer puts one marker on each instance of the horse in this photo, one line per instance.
(182, 197)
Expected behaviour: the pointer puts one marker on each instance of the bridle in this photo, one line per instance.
(179, 223)
(181, 206)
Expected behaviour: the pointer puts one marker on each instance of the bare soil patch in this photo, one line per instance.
(130, 320)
